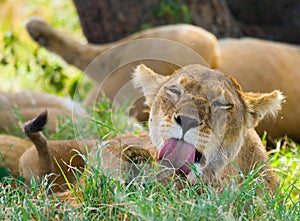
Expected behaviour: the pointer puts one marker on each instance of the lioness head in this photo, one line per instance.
(199, 116)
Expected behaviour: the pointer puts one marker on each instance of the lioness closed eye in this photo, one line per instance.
(201, 118)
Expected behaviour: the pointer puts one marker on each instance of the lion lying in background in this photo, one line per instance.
(26, 105)
(200, 40)
(258, 65)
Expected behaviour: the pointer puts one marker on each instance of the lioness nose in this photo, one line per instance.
(186, 122)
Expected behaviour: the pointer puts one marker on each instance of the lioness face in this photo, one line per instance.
(192, 119)
(199, 116)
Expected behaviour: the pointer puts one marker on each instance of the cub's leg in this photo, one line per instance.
(62, 159)
(33, 130)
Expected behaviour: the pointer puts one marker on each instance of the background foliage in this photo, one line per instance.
(24, 65)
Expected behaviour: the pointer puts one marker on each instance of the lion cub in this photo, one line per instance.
(52, 157)
(202, 121)
(125, 157)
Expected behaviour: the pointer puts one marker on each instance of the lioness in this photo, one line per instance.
(201, 117)
(258, 65)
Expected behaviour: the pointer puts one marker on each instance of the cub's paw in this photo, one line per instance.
(136, 155)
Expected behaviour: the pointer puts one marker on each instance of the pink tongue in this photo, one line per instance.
(180, 154)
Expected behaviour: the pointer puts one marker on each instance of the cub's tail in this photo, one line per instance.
(33, 129)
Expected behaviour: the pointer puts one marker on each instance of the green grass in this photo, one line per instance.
(22, 62)
(104, 198)
(107, 198)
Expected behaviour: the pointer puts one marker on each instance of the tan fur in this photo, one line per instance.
(11, 149)
(261, 65)
(216, 117)
(111, 155)
(258, 65)
(22, 159)
(114, 159)
(30, 104)
(67, 153)
(55, 158)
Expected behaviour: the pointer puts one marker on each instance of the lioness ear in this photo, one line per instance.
(260, 105)
(149, 81)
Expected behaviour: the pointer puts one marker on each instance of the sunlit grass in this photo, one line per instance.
(286, 159)
(106, 198)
